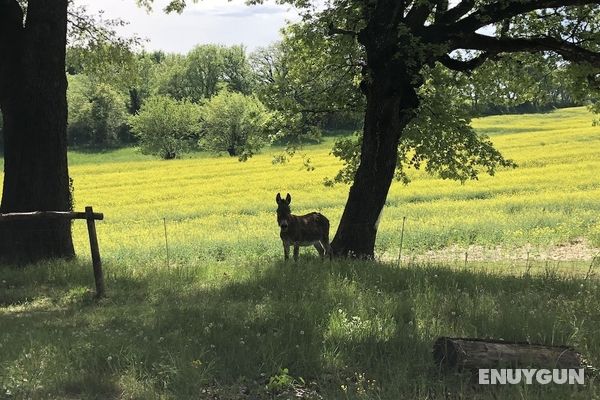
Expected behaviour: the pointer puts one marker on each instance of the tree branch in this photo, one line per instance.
(11, 21)
(11, 30)
(500, 10)
(594, 81)
(386, 10)
(465, 66)
(457, 11)
(398, 11)
(332, 30)
(85, 26)
(569, 51)
(441, 7)
(419, 12)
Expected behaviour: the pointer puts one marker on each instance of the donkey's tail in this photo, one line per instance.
(325, 240)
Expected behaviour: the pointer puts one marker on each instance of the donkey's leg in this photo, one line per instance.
(320, 249)
(296, 251)
(286, 251)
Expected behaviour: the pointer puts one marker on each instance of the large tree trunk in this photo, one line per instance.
(391, 103)
(33, 100)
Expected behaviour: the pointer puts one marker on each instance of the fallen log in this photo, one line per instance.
(474, 354)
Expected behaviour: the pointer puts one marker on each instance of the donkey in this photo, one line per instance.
(302, 230)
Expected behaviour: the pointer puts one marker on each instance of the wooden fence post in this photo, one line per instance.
(95, 250)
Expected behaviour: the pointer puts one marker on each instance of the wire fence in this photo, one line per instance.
(174, 242)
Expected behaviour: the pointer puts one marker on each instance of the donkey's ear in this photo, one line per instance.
(278, 198)
(288, 198)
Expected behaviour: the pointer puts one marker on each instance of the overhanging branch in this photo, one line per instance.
(84, 25)
(465, 66)
(501, 10)
(567, 50)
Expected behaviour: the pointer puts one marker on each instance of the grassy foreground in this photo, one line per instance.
(274, 330)
(224, 318)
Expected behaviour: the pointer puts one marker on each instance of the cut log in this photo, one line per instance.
(474, 354)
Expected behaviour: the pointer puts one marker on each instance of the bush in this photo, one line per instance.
(166, 128)
(234, 123)
(97, 113)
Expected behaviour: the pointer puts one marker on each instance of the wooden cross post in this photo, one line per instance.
(96, 261)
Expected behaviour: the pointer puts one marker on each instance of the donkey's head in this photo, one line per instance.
(283, 211)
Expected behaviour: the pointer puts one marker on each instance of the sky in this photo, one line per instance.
(208, 21)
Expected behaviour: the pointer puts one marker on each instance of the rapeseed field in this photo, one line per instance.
(218, 207)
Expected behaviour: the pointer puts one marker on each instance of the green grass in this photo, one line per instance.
(227, 319)
(345, 330)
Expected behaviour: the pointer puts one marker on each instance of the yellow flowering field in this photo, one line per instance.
(219, 207)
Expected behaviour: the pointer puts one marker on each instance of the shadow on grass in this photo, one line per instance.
(340, 330)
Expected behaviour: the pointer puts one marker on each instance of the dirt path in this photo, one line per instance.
(579, 250)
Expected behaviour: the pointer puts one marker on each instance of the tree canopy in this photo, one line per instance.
(166, 127)
(235, 123)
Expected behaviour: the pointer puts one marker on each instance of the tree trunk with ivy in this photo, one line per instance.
(33, 101)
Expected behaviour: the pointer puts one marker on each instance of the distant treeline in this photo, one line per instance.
(291, 84)
(525, 83)
(109, 88)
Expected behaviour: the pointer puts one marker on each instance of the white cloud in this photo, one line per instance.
(208, 21)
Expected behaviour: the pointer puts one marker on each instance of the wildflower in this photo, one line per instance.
(302, 332)
(109, 358)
